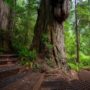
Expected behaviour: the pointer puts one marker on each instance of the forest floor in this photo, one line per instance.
(52, 81)
(15, 77)
(71, 81)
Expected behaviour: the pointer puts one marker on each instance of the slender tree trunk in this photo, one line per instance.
(52, 28)
(77, 34)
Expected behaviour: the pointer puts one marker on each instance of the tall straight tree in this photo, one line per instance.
(49, 33)
(4, 23)
(77, 34)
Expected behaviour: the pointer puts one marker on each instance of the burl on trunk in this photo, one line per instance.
(49, 33)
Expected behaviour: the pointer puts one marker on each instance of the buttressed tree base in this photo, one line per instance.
(49, 27)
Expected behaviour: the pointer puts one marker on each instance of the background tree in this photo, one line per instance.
(83, 28)
(4, 24)
(77, 34)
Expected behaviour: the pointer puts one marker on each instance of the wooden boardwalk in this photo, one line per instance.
(13, 78)
(31, 81)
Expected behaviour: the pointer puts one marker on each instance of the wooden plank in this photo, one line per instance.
(8, 60)
(6, 81)
(38, 82)
(7, 71)
(31, 81)
(7, 55)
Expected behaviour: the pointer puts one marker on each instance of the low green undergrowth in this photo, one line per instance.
(27, 57)
(83, 64)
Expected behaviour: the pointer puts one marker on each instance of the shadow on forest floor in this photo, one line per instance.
(66, 85)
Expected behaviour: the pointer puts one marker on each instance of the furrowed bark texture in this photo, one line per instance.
(50, 22)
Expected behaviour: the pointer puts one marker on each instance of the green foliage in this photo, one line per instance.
(45, 41)
(84, 62)
(84, 59)
(44, 38)
(49, 62)
(83, 16)
(24, 20)
(49, 46)
(27, 57)
(2, 50)
(10, 3)
(36, 67)
(74, 66)
(78, 66)
(22, 31)
(26, 54)
(26, 63)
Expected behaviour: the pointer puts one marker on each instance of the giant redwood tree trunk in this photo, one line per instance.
(49, 33)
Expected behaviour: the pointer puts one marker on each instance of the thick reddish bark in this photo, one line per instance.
(49, 25)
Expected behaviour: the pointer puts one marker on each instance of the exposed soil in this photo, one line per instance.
(15, 78)
(57, 80)
(62, 84)
(69, 81)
